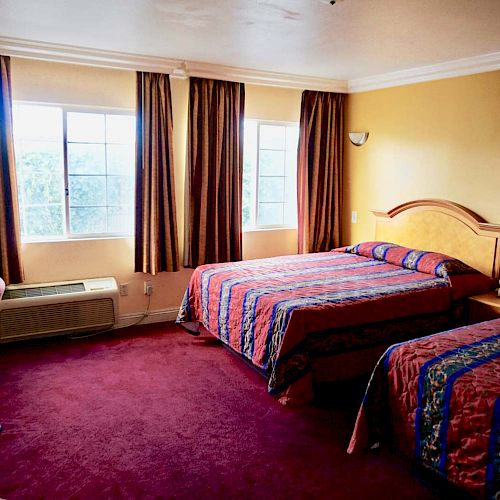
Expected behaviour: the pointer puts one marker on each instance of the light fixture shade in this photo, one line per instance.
(358, 138)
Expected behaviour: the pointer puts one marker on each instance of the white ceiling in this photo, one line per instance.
(351, 40)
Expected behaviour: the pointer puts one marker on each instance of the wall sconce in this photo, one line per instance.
(358, 138)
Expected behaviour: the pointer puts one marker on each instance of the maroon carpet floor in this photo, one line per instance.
(151, 412)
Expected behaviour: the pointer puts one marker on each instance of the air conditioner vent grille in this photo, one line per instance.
(89, 315)
(41, 291)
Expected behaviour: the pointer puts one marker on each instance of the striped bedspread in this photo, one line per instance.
(264, 309)
(441, 395)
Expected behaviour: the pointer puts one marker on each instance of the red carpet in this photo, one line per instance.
(151, 412)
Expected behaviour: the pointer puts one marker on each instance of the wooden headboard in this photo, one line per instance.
(446, 227)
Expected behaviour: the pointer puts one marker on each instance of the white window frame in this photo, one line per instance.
(253, 226)
(70, 108)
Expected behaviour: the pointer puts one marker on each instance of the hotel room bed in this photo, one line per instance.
(279, 313)
(329, 316)
(437, 399)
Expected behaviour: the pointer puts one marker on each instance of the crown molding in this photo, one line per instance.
(177, 68)
(458, 67)
(54, 52)
(206, 70)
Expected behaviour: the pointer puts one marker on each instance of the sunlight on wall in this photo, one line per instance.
(429, 140)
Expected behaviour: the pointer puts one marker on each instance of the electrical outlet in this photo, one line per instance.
(148, 288)
(354, 217)
(123, 289)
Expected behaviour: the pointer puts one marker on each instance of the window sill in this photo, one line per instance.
(69, 240)
(263, 229)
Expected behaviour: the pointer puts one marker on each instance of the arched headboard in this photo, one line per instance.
(446, 227)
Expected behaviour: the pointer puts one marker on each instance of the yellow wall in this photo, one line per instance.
(438, 139)
(40, 81)
(80, 85)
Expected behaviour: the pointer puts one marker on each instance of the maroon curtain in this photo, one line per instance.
(319, 171)
(11, 269)
(156, 246)
(214, 172)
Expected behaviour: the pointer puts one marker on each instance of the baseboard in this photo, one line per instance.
(157, 316)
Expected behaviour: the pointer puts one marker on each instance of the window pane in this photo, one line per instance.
(90, 220)
(98, 145)
(120, 129)
(271, 189)
(38, 141)
(85, 127)
(246, 215)
(251, 138)
(101, 174)
(34, 156)
(291, 189)
(42, 189)
(271, 192)
(120, 190)
(121, 159)
(270, 214)
(41, 123)
(121, 220)
(44, 221)
(249, 173)
(290, 214)
(291, 164)
(292, 138)
(272, 163)
(86, 191)
(86, 159)
(272, 137)
(22, 220)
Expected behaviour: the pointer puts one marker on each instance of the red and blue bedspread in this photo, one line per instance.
(438, 399)
(265, 309)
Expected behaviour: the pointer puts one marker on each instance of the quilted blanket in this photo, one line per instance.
(264, 309)
(438, 399)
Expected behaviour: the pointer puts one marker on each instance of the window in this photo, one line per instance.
(75, 172)
(270, 175)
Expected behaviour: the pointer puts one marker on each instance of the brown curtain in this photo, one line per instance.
(214, 172)
(156, 245)
(319, 171)
(11, 269)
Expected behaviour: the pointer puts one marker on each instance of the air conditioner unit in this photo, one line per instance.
(57, 308)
